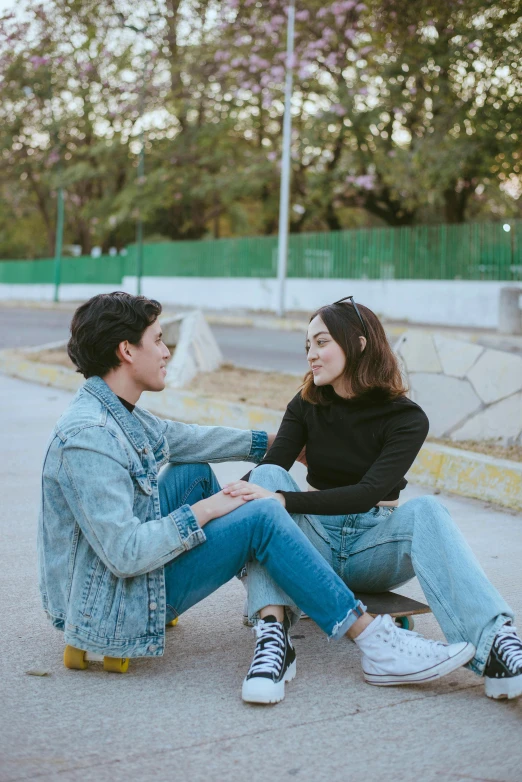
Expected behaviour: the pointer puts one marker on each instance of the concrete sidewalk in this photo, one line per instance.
(181, 716)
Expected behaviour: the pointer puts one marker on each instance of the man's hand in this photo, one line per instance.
(250, 491)
(214, 507)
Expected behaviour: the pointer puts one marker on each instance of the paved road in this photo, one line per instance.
(181, 717)
(282, 351)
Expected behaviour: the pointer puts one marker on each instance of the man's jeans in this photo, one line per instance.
(385, 548)
(259, 529)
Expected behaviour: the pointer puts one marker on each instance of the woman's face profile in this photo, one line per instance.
(325, 357)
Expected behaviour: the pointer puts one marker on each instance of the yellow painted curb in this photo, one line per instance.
(469, 474)
(438, 466)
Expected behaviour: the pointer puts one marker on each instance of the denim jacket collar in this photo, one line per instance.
(128, 422)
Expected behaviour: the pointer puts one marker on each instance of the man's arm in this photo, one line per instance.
(193, 443)
(95, 478)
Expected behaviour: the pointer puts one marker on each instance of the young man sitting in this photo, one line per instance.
(124, 550)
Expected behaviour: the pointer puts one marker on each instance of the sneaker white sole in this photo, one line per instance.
(504, 688)
(427, 674)
(259, 690)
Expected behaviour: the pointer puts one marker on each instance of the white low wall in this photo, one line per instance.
(43, 292)
(446, 302)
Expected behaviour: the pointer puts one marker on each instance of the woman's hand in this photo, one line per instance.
(250, 491)
(216, 506)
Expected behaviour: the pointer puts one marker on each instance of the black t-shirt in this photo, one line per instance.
(130, 407)
(358, 450)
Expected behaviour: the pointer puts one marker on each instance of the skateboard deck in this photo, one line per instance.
(393, 604)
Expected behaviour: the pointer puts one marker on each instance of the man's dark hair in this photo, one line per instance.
(99, 325)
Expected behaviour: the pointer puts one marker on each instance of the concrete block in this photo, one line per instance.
(456, 356)
(196, 349)
(446, 400)
(418, 352)
(496, 375)
(501, 421)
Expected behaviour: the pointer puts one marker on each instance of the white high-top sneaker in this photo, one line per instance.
(395, 656)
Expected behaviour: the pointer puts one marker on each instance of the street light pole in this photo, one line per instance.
(141, 159)
(284, 194)
(141, 175)
(58, 244)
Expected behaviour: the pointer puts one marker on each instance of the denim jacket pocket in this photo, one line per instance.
(143, 482)
(94, 587)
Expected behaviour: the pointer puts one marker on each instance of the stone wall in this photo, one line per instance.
(468, 391)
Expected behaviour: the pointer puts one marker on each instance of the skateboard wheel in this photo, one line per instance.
(406, 622)
(116, 664)
(74, 658)
(173, 623)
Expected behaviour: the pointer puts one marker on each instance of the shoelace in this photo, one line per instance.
(270, 648)
(509, 646)
(410, 642)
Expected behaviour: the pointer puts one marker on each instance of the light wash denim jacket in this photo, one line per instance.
(102, 542)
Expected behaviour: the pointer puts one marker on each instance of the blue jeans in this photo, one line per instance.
(385, 548)
(260, 530)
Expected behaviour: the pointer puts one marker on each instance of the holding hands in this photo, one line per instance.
(250, 491)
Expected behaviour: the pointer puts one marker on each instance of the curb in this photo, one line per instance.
(439, 467)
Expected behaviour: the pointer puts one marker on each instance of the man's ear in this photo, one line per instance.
(124, 352)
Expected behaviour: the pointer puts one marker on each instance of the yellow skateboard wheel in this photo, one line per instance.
(173, 623)
(74, 658)
(116, 664)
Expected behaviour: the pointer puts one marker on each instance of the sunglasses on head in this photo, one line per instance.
(356, 308)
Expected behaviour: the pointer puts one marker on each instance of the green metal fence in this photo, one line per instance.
(105, 270)
(481, 251)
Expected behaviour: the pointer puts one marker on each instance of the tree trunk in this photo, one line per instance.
(455, 204)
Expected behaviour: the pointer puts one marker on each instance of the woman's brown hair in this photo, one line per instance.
(373, 369)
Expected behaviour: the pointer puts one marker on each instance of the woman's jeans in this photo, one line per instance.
(260, 530)
(385, 548)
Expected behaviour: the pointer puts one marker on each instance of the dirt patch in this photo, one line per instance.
(262, 389)
(488, 447)
(274, 391)
(58, 357)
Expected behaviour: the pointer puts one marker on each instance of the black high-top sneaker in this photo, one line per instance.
(273, 663)
(503, 672)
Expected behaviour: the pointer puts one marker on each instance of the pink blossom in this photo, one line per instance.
(350, 34)
(364, 181)
(331, 60)
(272, 156)
(366, 50)
(302, 16)
(338, 109)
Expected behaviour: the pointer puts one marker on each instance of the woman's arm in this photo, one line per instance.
(402, 443)
(289, 440)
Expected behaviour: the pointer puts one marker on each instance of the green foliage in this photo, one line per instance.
(402, 113)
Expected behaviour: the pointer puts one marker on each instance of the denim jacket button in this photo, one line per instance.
(153, 647)
(153, 606)
(145, 450)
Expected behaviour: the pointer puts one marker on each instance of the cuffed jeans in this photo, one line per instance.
(385, 548)
(260, 530)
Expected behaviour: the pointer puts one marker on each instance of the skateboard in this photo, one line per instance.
(400, 608)
(79, 659)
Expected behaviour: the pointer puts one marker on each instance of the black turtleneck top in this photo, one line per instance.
(358, 450)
